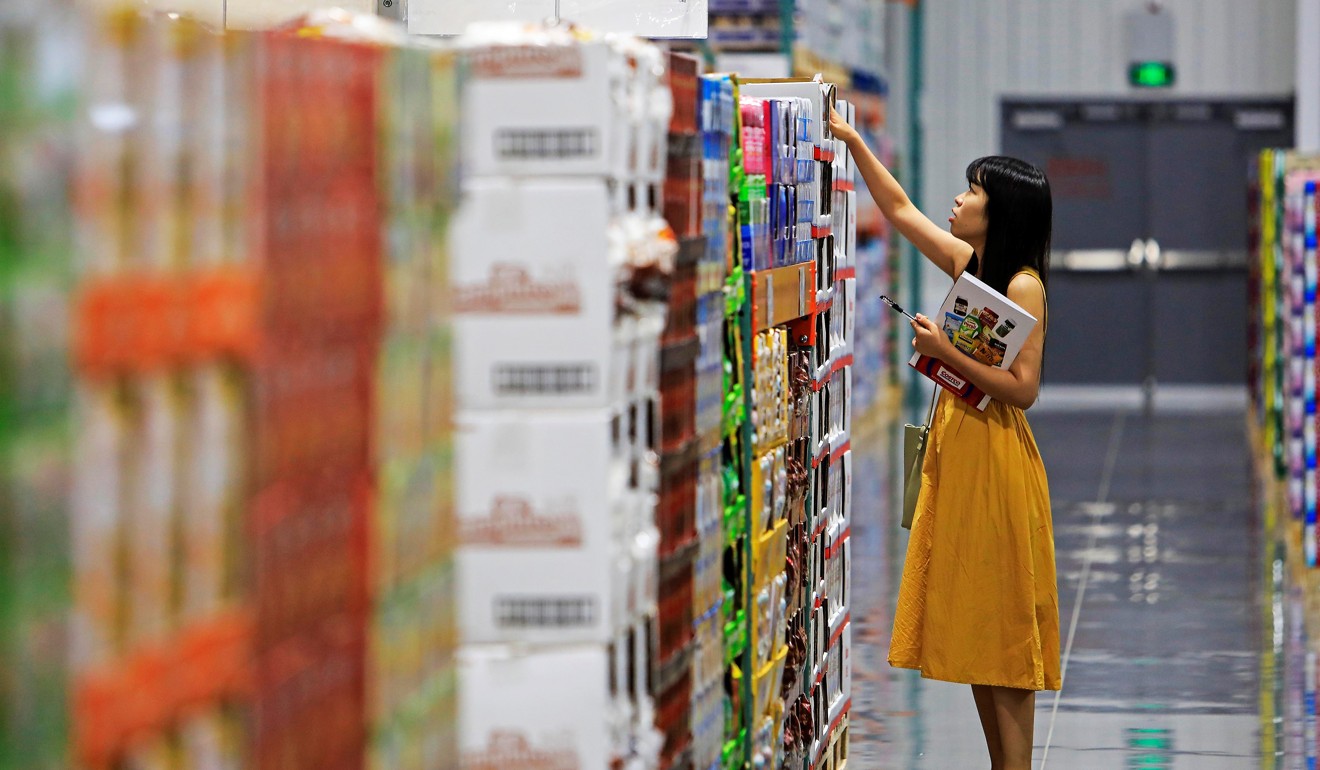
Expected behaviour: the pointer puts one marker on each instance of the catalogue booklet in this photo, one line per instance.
(983, 324)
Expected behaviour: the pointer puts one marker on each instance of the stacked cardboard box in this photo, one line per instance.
(559, 268)
(36, 146)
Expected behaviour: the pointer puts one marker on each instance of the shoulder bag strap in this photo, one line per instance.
(934, 399)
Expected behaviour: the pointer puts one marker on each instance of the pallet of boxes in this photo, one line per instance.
(560, 267)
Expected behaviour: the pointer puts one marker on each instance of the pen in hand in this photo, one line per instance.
(891, 303)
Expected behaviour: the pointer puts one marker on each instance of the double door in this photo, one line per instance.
(1148, 276)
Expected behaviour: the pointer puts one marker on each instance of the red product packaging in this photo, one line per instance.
(676, 511)
(675, 617)
(683, 76)
(681, 319)
(756, 136)
(309, 542)
(673, 719)
(678, 408)
(311, 698)
(313, 410)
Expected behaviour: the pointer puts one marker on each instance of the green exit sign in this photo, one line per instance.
(1151, 74)
(1149, 748)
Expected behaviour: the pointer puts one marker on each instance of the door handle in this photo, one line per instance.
(1152, 254)
(1136, 254)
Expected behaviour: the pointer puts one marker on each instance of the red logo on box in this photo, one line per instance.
(953, 380)
(511, 290)
(508, 749)
(513, 522)
(526, 62)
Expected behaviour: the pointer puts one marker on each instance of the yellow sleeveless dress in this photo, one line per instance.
(978, 603)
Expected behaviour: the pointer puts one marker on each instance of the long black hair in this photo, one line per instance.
(1019, 215)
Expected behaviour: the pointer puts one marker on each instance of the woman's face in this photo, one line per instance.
(969, 222)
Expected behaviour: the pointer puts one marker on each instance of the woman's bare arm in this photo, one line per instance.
(944, 250)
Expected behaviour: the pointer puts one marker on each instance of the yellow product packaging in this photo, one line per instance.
(438, 406)
(402, 398)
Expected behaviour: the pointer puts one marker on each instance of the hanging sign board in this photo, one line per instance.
(643, 18)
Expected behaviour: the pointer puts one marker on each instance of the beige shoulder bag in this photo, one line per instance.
(914, 456)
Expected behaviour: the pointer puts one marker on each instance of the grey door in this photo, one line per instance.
(1148, 280)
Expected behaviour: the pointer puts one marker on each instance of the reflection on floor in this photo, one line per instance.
(1157, 556)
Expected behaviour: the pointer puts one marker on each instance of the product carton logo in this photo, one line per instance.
(526, 62)
(508, 749)
(514, 523)
(510, 289)
(952, 379)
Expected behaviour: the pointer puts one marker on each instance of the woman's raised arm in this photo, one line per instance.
(947, 252)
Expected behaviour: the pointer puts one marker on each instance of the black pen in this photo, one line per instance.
(884, 298)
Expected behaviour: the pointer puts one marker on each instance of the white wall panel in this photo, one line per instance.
(977, 51)
(1308, 75)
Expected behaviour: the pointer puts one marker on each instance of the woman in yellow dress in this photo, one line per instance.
(978, 603)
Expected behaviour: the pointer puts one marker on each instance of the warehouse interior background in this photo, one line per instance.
(440, 384)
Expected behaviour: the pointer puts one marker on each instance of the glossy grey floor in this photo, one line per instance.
(1158, 592)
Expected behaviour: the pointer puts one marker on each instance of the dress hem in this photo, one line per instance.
(924, 675)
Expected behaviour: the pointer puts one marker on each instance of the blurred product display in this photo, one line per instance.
(1282, 342)
(37, 141)
(377, 402)
(842, 41)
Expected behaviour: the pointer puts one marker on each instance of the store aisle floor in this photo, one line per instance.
(1157, 559)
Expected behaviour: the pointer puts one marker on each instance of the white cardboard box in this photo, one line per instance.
(545, 110)
(537, 494)
(533, 294)
(547, 709)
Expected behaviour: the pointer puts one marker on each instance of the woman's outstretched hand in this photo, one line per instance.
(841, 129)
(930, 339)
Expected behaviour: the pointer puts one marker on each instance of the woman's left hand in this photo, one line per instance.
(842, 129)
(930, 339)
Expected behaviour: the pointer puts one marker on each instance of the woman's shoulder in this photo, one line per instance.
(1026, 288)
(1026, 279)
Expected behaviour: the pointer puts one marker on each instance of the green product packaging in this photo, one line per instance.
(37, 104)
